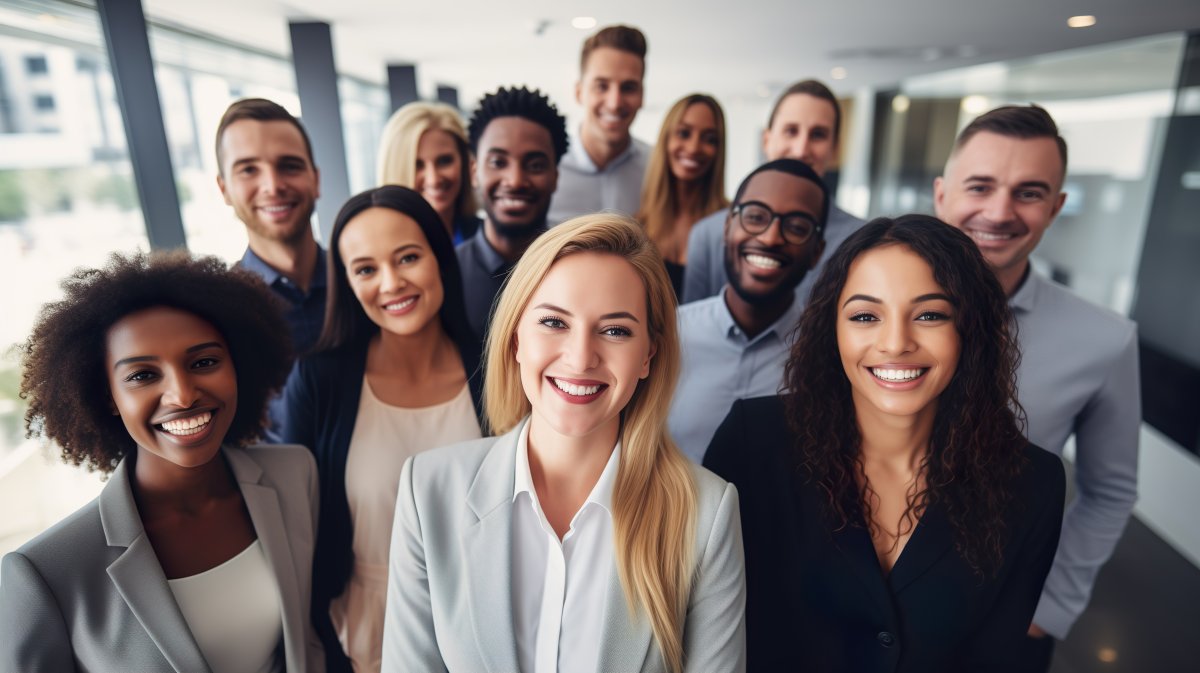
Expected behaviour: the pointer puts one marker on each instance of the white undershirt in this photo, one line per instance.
(559, 589)
(233, 611)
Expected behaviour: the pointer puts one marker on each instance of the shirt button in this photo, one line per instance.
(886, 639)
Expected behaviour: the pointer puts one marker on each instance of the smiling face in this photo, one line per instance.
(896, 335)
(269, 179)
(764, 267)
(803, 129)
(438, 175)
(392, 270)
(610, 91)
(583, 344)
(173, 383)
(516, 174)
(1003, 192)
(693, 144)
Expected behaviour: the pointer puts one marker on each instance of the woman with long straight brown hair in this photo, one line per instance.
(580, 539)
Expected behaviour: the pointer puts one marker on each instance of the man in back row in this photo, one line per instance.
(605, 166)
(804, 124)
(1002, 186)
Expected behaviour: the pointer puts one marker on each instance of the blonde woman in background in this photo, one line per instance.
(685, 180)
(580, 539)
(424, 147)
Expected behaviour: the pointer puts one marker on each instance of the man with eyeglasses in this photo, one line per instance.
(734, 344)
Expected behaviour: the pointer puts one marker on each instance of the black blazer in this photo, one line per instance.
(817, 599)
(321, 407)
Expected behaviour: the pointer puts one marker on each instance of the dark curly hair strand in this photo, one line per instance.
(521, 102)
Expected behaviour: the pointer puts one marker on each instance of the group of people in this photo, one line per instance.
(617, 423)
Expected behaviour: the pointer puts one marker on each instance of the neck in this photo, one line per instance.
(899, 442)
(412, 357)
(160, 484)
(1011, 277)
(294, 259)
(686, 196)
(599, 150)
(754, 318)
(510, 248)
(568, 465)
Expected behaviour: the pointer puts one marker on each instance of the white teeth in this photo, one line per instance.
(276, 209)
(572, 389)
(188, 426)
(897, 374)
(508, 202)
(399, 305)
(990, 236)
(763, 262)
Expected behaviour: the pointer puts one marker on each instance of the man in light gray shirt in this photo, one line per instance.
(605, 165)
(804, 125)
(734, 345)
(1002, 186)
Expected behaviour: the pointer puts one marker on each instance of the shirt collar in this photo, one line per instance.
(270, 274)
(1025, 298)
(491, 260)
(583, 160)
(601, 493)
(782, 328)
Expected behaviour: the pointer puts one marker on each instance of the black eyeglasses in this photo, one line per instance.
(756, 218)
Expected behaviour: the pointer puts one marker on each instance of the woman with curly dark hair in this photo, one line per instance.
(197, 554)
(895, 518)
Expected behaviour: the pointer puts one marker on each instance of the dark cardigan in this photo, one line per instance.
(321, 402)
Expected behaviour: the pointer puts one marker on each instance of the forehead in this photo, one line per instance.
(612, 63)
(593, 283)
(253, 138)
(784, 192)
(156, 330)
(1007, 160)
(805, 110)
(376, 228)
(892, 271)
(698, 114)
(436, 140)
(515, 135)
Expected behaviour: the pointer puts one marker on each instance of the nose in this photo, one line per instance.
(579, 352)
(270, 182)
(391, 280)
(429, 175)
(179, 391)
(773, 236)
(612, 98)
(514, 175)
(692, 145)
(895, 337)
(999, 207)
(799, 148)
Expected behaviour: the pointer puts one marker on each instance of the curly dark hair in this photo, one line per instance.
(64, 377)
(975, 449)
(520, 102)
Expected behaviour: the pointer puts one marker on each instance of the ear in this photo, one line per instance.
(221, 186)
(765, 135)
(939, 195)
(646, 365)
(1062, 199)
(516, 350)
(317, 183)
(579, 91)
(818, 249)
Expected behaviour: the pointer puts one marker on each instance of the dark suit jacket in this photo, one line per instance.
(817, 599)
(89, 595)
(321, 401)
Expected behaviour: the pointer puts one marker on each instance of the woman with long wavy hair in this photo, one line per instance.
(895, 517)
(685, 180)
(580, 539)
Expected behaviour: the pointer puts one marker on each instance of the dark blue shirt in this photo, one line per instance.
(305, 310)
(483, 272)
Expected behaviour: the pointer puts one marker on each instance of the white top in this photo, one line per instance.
(559, 588)
(384, 437)
(234, 613)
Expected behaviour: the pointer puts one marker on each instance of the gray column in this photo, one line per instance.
(448, 95)
(137, 93)
(321, 114)
(402, 84)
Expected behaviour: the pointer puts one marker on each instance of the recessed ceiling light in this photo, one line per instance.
(1081, 21)
(838, 73)
(584, 22)
(763, 91)
(975, 104)
(1107, 655)
(900, 104)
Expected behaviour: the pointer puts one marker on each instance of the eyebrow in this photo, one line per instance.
(151, 358)
(932, 296)
(368, 258)
(607, 316)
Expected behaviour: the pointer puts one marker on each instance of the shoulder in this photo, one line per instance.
(713, 223)
(62, 550)
(285, 463)
(333, 362)
(695, 312)
(1104, 329)
(452, 465)
(1044, 472)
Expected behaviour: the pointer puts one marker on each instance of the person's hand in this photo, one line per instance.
(1036, 631)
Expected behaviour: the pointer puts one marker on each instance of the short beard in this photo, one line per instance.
(773, 297)
(516, 232)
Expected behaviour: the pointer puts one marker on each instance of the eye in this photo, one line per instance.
(445, 161)
(247, 171)
(410, 258)
(630, 87)
(932, 316)
(552, 322)
(710, 139)
(420, 165)
(683, 133)
(1029, 195)
(207, 362)
(364, 270)
(977, 189)
(616, 331)
(539, 165)
(495, 162)
(140, 376)
(863, 316)
(820, 134)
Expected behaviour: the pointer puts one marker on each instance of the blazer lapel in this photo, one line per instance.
(139, 578)
(262, 502)
(930, 541)
(626, 639)
(487, 548)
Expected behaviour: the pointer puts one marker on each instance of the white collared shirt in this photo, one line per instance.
(560, 588)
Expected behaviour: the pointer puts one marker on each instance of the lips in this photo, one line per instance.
(577, 391)
(188, 428)
(898, 375)
(277, 211)
(401, 305)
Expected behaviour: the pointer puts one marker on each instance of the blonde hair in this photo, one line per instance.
(654, 499)
(397, 161)
(660, 205)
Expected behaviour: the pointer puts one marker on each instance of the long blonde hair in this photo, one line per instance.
(397, 160)
(654, 499)
(660, 205)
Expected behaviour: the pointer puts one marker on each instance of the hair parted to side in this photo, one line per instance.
(975, 450)
(64, 376)
(620, 37)
(1015, 121)
(529, 104)
(816, 89)
(654, 499)
(660, 201)
(397, 160)
(260, 110)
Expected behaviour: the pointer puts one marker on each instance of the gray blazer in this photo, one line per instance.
(449, 604)
(89, 594)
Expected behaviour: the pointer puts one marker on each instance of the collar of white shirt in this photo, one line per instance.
(601, 494)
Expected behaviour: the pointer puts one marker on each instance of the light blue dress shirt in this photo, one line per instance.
(720, 366)
(584, 189)
(1079, 375)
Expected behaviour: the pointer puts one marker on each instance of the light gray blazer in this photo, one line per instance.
(449, 604)
(89, 595)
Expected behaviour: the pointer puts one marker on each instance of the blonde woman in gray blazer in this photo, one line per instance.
(580, 539)
(197, 555)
